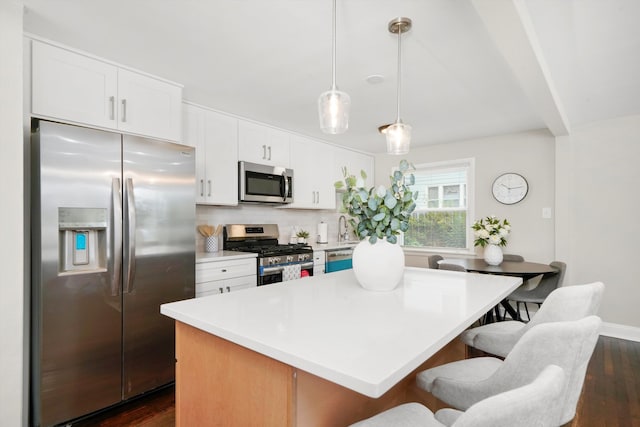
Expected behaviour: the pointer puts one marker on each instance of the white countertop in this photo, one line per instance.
(331, 327)
(222, 255)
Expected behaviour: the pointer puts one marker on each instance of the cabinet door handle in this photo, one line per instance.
(221, 290)
(224, 270)
(202, 188)
(112, 107)
(228, 289)
(209, 182)
(317, 197)
(124, 110)
(269, 153)
(264, 152)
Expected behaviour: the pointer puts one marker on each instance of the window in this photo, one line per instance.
(442, 216)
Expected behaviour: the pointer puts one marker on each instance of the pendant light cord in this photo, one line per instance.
(333, 49)
(399, 70)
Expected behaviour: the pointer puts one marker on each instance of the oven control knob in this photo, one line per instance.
(275, 260)
(289, 258)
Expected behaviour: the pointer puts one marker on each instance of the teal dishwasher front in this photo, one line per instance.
(338, 259)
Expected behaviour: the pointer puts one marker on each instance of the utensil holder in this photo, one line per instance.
(211, 244)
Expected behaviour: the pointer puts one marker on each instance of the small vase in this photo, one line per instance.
(378, 266)
(493, 254)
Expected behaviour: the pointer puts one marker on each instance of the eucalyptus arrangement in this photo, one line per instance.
(379, 212)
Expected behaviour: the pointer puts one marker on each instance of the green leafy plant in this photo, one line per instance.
(379, 212)
(491, 230)
(302, 233)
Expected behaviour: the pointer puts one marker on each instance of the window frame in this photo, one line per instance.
(469, 164)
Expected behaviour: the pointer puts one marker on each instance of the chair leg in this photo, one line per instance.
(527, 310)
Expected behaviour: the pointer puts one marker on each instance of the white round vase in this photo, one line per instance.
(493, 254)
(378, 266)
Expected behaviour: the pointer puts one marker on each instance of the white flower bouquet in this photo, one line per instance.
(491, 231)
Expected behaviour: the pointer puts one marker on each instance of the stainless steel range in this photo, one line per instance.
(275, 262)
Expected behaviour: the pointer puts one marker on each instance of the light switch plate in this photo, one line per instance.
(546, 213)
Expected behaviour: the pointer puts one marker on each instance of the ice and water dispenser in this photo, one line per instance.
(82, 240)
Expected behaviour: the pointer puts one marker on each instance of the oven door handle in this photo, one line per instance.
(272, 270)
(305, 265)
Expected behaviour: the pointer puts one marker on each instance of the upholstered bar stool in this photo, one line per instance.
(566, 303)
(569, 345)
(529, 405)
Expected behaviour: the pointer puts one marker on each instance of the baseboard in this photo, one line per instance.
(624, 332)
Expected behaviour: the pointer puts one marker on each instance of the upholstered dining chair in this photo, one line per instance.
(537, 295)
(512, 258)
(452, 267)
(563, 304)
(523, 406)
(569, 345)
(433, 260)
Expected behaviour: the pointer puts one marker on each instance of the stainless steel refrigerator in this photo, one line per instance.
(113, 220)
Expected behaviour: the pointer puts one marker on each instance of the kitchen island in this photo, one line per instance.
(320, 350)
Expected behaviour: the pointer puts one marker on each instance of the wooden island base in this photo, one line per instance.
(219, 383)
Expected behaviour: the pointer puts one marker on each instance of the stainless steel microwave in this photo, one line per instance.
(264, 184)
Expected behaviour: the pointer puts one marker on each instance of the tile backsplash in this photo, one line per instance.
(266, 214)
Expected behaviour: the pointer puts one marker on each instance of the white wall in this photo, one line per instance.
(12, 333)
(598, 201)
(530, 154)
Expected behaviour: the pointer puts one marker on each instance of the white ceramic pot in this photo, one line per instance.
(211, 244)
(378, 267)
(493, 254)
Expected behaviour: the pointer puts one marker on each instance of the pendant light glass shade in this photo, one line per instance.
(399, 134)
(398, 138)
(333, 105)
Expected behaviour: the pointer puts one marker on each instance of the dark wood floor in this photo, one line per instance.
(610, 397)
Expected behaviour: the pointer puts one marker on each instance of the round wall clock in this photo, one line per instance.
(510, 188)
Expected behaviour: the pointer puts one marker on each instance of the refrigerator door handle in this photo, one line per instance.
(116, 280)
(130, 236)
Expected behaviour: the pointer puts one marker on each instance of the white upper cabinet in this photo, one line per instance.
(354, 162)
(69, 86)
(148, 106)
(313, 177)
(263, 144)
(215, 137)
(76, 88)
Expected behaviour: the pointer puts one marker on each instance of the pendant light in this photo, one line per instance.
(333, 105)
(398, 134)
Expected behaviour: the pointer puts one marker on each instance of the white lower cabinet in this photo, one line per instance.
(319, 259)
(220, 276)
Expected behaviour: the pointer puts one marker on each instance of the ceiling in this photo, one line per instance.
(471, 68)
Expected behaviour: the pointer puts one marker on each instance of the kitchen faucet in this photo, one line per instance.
(342, 236)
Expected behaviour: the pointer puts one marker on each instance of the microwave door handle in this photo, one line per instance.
(286, 187)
